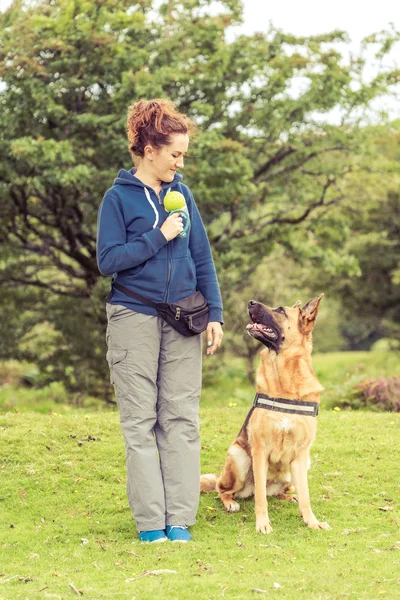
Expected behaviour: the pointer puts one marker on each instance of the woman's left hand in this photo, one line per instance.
(214, 336)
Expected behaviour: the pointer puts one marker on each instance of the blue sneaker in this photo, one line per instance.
(178, 533)
(157, 535)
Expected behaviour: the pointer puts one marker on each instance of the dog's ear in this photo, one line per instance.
(296, 304)
(308, 314)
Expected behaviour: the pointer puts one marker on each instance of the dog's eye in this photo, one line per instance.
(281, 310)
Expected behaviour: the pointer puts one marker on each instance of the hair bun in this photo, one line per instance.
(151, 122)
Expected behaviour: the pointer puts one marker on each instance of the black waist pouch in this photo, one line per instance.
(189, 316)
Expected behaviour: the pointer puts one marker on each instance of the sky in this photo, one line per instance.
(306, 17)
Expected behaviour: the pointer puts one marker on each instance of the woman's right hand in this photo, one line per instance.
(172, 226)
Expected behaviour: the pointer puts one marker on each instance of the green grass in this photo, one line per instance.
(64, 517)
(59, 489)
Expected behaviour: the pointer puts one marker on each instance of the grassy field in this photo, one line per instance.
(65, 522)
(66, 529)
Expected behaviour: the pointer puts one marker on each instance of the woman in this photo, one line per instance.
(155, 370)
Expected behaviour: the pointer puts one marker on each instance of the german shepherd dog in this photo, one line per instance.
(272, 449)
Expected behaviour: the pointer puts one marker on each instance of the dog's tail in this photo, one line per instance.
(208, 483)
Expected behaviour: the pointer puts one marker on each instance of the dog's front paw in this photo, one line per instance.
(232, 506)
(263, 525)
(318, 525)
(322, 525)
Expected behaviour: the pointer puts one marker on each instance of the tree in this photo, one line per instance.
(370, 300)
(70, 69)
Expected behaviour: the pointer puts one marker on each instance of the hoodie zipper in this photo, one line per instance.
(147, 192)
(168, 255)
(169, 274)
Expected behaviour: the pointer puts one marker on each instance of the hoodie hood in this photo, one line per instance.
(128, 178)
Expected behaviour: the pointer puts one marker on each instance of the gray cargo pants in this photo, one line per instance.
(157, 378)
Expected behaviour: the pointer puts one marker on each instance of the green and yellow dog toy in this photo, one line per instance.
(175, 202)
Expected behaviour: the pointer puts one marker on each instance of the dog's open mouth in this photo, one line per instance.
(263, 329)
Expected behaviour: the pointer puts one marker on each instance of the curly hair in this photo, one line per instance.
(151, 122)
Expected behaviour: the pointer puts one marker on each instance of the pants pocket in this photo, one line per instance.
(118, 370)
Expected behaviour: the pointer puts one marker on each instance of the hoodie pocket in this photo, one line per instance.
(137, 271)
(151, 281)
(183, 278)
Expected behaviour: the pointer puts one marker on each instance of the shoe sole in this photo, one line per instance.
(154, 541)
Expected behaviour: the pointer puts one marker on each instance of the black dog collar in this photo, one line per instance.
(284, 405)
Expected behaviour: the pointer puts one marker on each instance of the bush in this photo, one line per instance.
(13, 372)
(382, 393)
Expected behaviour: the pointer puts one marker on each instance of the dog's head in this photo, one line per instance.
(274, 327)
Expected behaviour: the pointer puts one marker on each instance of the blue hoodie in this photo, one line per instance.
(131, 247)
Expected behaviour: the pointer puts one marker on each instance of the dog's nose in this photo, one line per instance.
(251, 303)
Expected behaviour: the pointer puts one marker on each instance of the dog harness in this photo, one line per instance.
(284, 405)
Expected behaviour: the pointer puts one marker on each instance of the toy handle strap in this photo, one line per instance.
(186, 221)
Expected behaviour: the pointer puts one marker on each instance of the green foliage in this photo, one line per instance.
(48, 399)
(386, 344)
(225, 382)
(376, 295)
(371, 300)
(339, 372)
(23, 388)
(13, 372)
(266, 169)
(376, 394)
(65, 516)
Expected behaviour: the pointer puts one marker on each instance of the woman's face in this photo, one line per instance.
(168, 159)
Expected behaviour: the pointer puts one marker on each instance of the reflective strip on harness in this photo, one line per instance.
(286, 406)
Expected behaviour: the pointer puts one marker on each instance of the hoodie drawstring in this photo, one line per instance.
(146, 191)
